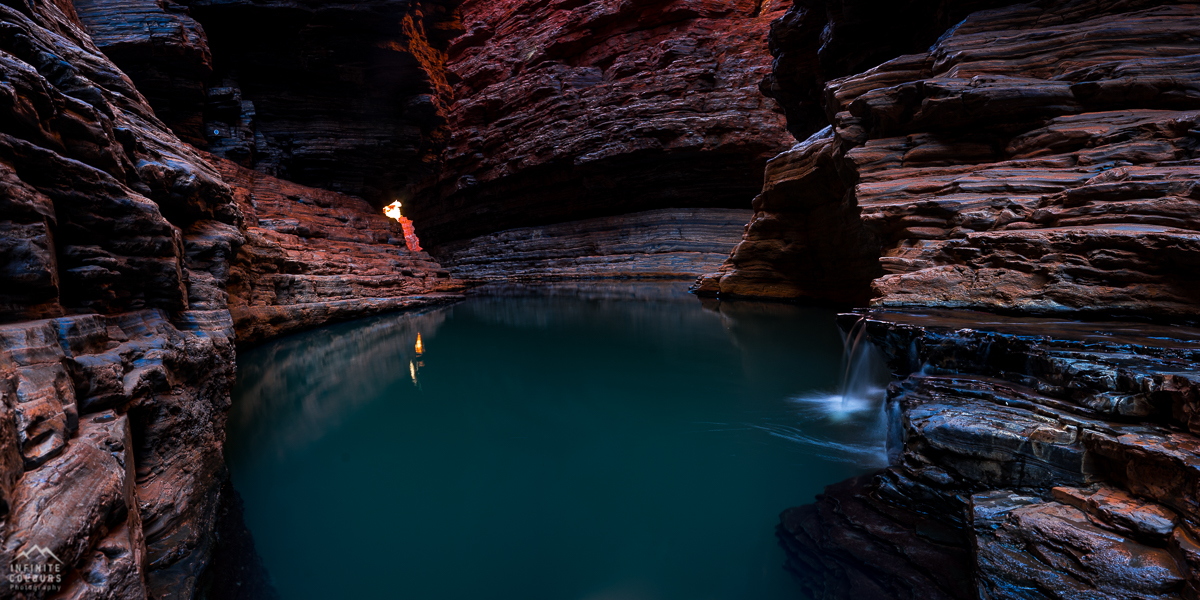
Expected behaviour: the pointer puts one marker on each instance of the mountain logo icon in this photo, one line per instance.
(41, 551)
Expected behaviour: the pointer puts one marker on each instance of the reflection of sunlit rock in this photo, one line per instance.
(420, 348)
(287, 385)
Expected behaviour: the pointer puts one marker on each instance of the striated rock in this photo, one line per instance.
(121, 246)
(820, 40)
(313, 256)
(569, 111)
(1060, 452)
(75, 501)
(162, 49)
(851, 544)
(668, 243)
(346, 96)
(1037, 158)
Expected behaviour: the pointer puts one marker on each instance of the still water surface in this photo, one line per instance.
(595, 443)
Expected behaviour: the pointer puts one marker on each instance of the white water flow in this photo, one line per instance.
(857, 409)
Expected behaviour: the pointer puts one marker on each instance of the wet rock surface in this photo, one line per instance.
(1061, 453)
(1037, 158)
(570, 111)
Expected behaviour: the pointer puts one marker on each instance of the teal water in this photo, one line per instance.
(610, 443)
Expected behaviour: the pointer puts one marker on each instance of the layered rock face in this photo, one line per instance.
(312, 256)
(115, 369)
(345, 96)
(1039, 158)
(566, 112)
(123, 251)
(656, 244)
(1030, 459)
(163, 50)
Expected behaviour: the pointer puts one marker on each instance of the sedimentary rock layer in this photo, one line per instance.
(312, 256)
(668, 243)
(113, 420)
(566, 111)
(1031, 458)
(162, 49)
(1039, 157)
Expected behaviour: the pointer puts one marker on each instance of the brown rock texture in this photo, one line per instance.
(1030, 458)
(312, 256)
(1037, 158)
(566, 111)
(670, 243)
(115, 370)
(121, 246)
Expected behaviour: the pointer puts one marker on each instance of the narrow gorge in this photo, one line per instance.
(505, 391)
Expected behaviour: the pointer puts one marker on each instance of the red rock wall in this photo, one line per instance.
(114, 368)
(1039, 158)
(566, 111)
(312, 256)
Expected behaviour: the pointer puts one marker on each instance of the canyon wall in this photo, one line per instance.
(115, 369)
(655, 244)
(132, 265)
(344, 96)
(572, 120)
(1039, 158)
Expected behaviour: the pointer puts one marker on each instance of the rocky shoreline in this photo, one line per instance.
(1030, 458)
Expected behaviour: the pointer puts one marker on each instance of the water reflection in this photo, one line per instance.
(620, 442)
(290, 392)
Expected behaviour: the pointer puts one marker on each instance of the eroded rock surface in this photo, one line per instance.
(120, 247)
(1039, 157)
(1030, 458)
(566, 111)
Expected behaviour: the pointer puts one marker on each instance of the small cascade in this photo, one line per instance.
(864, 375)
(857, 410)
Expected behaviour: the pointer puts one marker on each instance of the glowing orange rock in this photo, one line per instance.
(393, 210)
(410, 233)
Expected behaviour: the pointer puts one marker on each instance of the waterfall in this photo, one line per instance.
(856, 413)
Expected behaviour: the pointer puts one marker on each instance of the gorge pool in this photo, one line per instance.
(575, 442)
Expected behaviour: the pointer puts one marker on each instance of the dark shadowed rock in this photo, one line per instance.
(1008, 436)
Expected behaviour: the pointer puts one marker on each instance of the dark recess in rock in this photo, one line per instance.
(347, 97)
